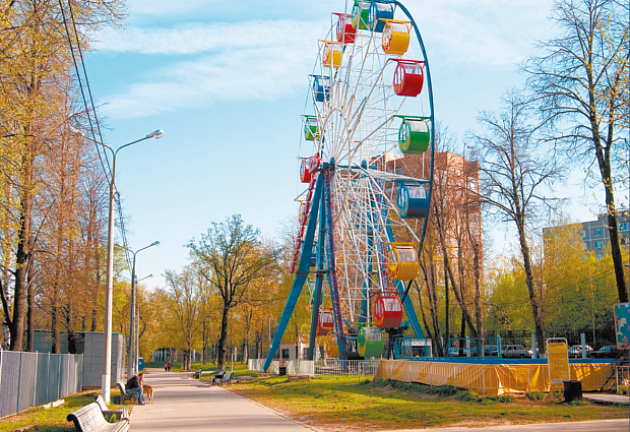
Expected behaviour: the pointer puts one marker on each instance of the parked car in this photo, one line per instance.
(576, 351)
(608, 351)
(462, 352)
(491, 350)
(514, 351)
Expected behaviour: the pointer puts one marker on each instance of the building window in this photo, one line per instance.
(584, 234)
(598, 231)
(598, 245)
(285, 354)
(623, 226)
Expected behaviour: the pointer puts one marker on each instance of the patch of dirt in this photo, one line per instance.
(383, 390)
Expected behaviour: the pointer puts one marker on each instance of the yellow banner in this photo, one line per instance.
(558, 361)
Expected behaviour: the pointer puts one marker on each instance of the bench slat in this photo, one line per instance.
(90, 419)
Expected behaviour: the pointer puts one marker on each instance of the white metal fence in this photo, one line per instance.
(320, 367)
(32, 379)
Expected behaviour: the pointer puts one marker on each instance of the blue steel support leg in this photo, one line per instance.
(319, 281)
(300, 276)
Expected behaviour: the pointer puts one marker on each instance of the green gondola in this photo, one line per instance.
(414, 136)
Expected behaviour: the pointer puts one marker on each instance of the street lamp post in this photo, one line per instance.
(131, 363)
(138, 328)
(107, 355)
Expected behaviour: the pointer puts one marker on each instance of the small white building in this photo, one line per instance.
(291, 351)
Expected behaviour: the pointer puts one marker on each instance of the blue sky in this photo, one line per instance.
(227, 82)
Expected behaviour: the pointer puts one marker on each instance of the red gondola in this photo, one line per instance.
(308, 167)
(388, 311)
(345, 32)
(408, 77)
(325, 322)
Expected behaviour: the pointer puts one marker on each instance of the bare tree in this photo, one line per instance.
(185, 303)
(513, 172)
(581, 80)
(231, 256)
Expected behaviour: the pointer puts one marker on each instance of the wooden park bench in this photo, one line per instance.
(126, 396)
(222, 378)
(90, 419)
(111, 415)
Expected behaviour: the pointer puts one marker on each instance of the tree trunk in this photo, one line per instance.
(529, 280)
(30, 336)
(478, 313)
(204, 350)
(54, 320)
(72, 346)
(447, 305)
(222, 351)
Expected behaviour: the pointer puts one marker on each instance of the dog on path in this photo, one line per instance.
(147, 391)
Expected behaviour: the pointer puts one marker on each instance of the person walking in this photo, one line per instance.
(134, 385)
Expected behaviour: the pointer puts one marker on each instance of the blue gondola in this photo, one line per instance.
(378, 13)
(321, 88)
(413, 201)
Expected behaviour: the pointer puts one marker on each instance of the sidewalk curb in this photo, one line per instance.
(275, 412)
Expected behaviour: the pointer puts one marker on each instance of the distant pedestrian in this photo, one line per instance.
(167, 368)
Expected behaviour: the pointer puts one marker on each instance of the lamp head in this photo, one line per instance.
(157, 134)
(155, 243)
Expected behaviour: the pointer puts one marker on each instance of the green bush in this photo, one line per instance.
(536, 396)
(467, 396)
(502, 399)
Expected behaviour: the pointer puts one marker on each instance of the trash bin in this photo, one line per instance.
(141, 364)
(572, 390)
(282, 370)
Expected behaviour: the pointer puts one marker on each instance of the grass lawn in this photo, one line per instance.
(341, 403)
(54, 419)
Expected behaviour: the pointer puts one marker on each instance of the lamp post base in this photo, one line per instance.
(106, 387)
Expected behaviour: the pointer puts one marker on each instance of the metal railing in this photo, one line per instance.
(32, 379)
(622, 377)
(329, 367)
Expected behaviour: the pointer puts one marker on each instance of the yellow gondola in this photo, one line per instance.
(396, 36)
(332, 349)
(403, 263)
(331, 54)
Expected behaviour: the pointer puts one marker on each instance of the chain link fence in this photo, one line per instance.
(33, 379)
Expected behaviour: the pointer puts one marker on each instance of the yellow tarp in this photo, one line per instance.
(490, 380)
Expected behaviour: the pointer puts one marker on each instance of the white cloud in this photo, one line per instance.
(199, 38)
(491, 33)
(237, 65)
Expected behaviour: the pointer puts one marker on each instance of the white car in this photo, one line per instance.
(576, 351)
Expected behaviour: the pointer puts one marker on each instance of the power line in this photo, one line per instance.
(90, 110)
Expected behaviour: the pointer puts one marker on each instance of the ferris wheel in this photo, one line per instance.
(362, 217)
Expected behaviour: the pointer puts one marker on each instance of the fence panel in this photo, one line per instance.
(43, 380)
(27, 384)
(54, 380)
(10, 383)
(32, 379)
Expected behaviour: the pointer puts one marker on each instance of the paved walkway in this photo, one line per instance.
(607, 398)
(182, 404)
